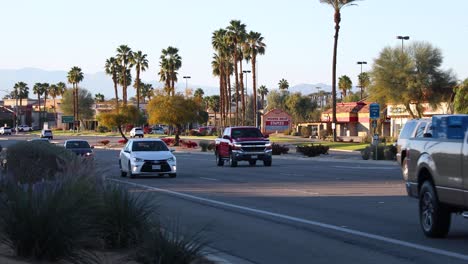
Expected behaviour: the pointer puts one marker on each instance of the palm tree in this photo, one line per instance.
(221, 66)
(38, 89)
(256, 47)
(283, 85)
(263, 91)
(124, 56)
(235, 35)
(46, 88)
(99, 98)
(146, 91)
(140, 62)
(170, 63)
(54, 91)
(364, 81)
(75, 76)
(337, 5)
(21, 89)
(112, 68)
(344, 84)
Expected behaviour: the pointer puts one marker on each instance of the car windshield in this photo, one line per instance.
(77, 144)
(149, 146)
(47, 131)
(246, 133)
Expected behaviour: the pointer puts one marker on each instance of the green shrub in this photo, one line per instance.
(171, 246)
(390, 152)
(306, 131)
(204, 145)
(31, 161)
(102, 129)
(324, 134)
(365, 153)
(312, 150)
(278, 149)
(211, 146)
(369, 152)
(53, 220)
(124, 217)
(294, 133)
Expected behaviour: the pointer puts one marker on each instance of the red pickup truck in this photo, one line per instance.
(243, 144)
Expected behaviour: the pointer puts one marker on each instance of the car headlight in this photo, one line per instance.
(135, 159)
(268, 145)
(171, 159)
(88, 154)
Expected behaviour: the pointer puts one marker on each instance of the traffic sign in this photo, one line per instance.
(67, 119)
(374, 111)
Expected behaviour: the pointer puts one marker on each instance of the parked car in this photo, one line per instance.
(24, 128)
(437, 173)
(136, 132)
(243, 144)
(147, 157)
(5, 131)
(158, 130)
(47, 133)
(79, 147)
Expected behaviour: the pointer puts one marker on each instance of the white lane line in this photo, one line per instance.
(305, 221)
(209, 179)
(367, 168)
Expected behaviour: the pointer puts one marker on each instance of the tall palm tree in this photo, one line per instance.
(344, 84)
(21, 89)
(112, 68)
(53, 92)
(236, 34)
(75, 76)
(364, 81)
(170, 63)
(124, 56)
(146, 91)
(283, 85)
(45, 87)
(99, 98)
(256, 47)
(336, 5)
(263, 91)
(38, 89)
(221, 64)
(140, 62)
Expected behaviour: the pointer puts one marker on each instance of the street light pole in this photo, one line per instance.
(186, 81)
(360, 84)
(403, 38)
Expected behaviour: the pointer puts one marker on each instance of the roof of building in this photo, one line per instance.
(352, 107)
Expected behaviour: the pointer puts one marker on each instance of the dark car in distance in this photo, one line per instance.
(79, 147)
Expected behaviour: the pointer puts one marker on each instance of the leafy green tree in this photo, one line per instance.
(140, 62)
(112, 68)
(345, 84)
(283, 85)
(364, 81)
(175, 110)
(411, 78)
(126, 114)
(85, 106)
(276, 99)
(461, 97)
(337, 5)
(299, 107)
(124, 57)
(352, 97)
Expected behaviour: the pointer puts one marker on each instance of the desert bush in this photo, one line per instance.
(124, 217)
(312, 150)
(102, 129)
(53, 220)
(104, 142)
(171, 246)
(211, 146)
(278, 149)
(369, 152)
(204, 145)
(32, 161)
(365, 153)
(306, 131)
(390, 152)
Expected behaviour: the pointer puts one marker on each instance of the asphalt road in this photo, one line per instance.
(297, 211)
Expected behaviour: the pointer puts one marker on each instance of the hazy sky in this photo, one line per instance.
(59, 34)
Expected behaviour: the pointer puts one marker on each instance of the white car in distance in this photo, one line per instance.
(136, 132)
(149, 157)
(24, 128)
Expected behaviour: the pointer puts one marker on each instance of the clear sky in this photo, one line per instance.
(59, 34)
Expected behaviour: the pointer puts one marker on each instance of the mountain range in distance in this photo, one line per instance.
(101, 83)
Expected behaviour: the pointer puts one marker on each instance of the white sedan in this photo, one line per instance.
(147, 157)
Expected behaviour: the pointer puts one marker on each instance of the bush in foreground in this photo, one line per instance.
(312, 150)
(278, 149)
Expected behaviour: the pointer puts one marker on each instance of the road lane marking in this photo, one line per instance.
(305, 221)
(209, 179)
(367, 168)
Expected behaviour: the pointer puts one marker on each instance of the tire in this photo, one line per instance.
(267, 162)
(129, 173)
(252, 162)
(434, 217)
(232, 160)
(122, 173)
(219, 160)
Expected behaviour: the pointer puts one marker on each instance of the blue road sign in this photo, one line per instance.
(374, 111)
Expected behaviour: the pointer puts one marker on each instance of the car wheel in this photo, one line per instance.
(130, 174)
(252, 162)
(434, 217)
(122, 172)
(219, 160)
(267, 162)
(232, 160)
(172, 175)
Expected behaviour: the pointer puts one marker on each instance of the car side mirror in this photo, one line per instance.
(226, 137)
(172, 150)
(427, 135)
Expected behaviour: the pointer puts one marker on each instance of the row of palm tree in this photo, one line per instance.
(75, 76)
(232, 46)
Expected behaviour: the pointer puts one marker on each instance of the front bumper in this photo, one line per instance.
(242, 155)
(154, 167)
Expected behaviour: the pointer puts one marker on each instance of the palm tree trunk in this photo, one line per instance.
(242, 92)
(124, 86)
(78, 104)
(335, 47)
(236, 72)
(114, 78)
(39, 112)
(138, 87)
(119, 127)
(229, 110)
(254, 85)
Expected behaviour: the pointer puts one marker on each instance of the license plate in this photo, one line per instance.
(253, 157)
(156, 167)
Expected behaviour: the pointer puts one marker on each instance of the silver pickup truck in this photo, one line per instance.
(437, 172)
